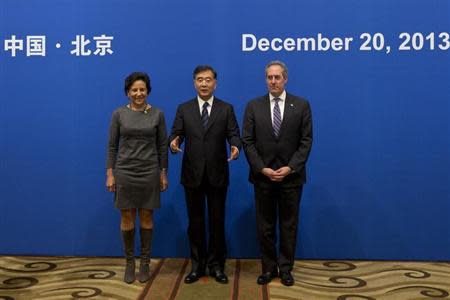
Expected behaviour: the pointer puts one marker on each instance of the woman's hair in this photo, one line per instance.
(135, 76)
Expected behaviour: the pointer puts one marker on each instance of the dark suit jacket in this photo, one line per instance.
(292, 146)
(205, 149)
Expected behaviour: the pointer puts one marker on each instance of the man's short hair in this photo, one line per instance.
(278, 63)
(202, 68)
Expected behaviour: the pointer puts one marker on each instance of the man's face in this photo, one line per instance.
(205, 84)
(275, 80)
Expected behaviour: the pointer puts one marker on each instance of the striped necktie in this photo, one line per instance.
(276, 117)
(205, 114)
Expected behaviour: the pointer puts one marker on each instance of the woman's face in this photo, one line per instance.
(138, 93)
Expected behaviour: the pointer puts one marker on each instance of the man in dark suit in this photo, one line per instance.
(205, 124)
(277, 139)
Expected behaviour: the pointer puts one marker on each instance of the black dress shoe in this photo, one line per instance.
(286, 278)
(267, 277)
(193, 276)
(220, 276)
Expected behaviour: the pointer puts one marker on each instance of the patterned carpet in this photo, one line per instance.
(24, 278)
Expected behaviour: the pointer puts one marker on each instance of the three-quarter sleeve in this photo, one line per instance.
(113, 143)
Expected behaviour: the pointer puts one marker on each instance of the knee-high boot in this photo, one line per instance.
(128, 245)
(146, 246)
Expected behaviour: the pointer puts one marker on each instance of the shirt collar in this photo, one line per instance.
(201, 101)
(282, 97)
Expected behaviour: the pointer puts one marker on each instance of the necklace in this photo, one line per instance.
(144, 110)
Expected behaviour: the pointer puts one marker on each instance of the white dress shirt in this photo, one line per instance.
(201, 102)
(281, 103)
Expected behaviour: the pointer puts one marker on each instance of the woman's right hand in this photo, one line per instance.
(110, 183)
(163, 182)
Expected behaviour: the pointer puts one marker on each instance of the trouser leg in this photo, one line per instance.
(195, 203)
(288, 208)
(216, 218)
(266, 217)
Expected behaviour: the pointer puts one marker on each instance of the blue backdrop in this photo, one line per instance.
(379, 170)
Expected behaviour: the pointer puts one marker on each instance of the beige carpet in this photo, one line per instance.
(24, 278)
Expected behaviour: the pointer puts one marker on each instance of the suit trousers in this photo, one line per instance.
(273, 202)
(196, 199)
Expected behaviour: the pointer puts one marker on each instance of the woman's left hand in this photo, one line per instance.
(163, 182)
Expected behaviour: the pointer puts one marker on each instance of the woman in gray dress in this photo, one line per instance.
(137, 168)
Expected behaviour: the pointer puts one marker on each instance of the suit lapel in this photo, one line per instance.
(267, 115)
(215, 109)
(287, 114)
(195, 113)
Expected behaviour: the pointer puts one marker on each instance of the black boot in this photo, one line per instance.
(128, 245)
(146, 245)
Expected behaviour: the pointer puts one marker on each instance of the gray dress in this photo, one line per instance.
(137, 151)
